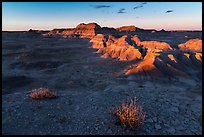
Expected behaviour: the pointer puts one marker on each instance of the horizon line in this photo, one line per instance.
(114, 28)
(109, 26)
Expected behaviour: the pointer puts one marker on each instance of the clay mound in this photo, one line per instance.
(101, 51)
(113, 50)
(185, 61)
(56, 32)
(196, 58)
(172, 60)
(121, 53)
(162, 30)
(88, 30)
(167, 68)
(136, 40)
(81, 25)
(127, 28)
(192, 44)
(110, 40)
(171, 57)
(33, 31)
(130, 54)
(157, 65)
(124, 41)
(68, 32)
(88, 26)
(120, 48)
(105, 56)
(82, 30)
(156, 45)
(145, 68)
(99, 41)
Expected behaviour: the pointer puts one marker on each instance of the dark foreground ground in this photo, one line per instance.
(87, 87)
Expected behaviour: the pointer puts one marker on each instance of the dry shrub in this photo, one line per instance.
(42, 93)
(130, 115)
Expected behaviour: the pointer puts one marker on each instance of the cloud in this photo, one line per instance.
(137, 7)
(100, 6)
(169, 11)
(140, 6)
(121, 10)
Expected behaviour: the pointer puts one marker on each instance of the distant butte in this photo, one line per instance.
(91, 29)
(128, 28)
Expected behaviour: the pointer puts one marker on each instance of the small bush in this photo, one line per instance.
(130, 115)
(42, 93)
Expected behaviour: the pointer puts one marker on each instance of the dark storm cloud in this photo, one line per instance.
(121, 10)
(100, 6)
(169, 11)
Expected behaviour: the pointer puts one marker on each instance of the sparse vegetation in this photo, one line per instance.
(42, 93)
(130, 115)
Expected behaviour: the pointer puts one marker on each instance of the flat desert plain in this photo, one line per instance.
(90, 79)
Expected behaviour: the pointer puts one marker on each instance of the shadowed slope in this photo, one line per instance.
(172, 64)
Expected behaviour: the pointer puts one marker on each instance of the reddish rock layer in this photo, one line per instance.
(82, 30)
(127, 28)
(155, 45)
(192, 44)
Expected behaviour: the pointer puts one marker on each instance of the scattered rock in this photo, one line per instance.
(171, 130)
(175, 122)
(97, 124)
(157, 126)
(188, 112)
(175, 104)
(175, 109)
(109, 131)
(155, 119)
(180, 128)
(167, 125)
(149, 120)
(167, 100)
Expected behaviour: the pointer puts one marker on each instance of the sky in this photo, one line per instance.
(20, 16)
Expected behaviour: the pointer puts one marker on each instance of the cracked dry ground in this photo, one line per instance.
(87, 87)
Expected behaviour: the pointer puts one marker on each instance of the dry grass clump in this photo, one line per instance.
(130, 115)
(42, 93)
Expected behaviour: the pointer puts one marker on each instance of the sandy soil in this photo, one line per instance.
(88, 86)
